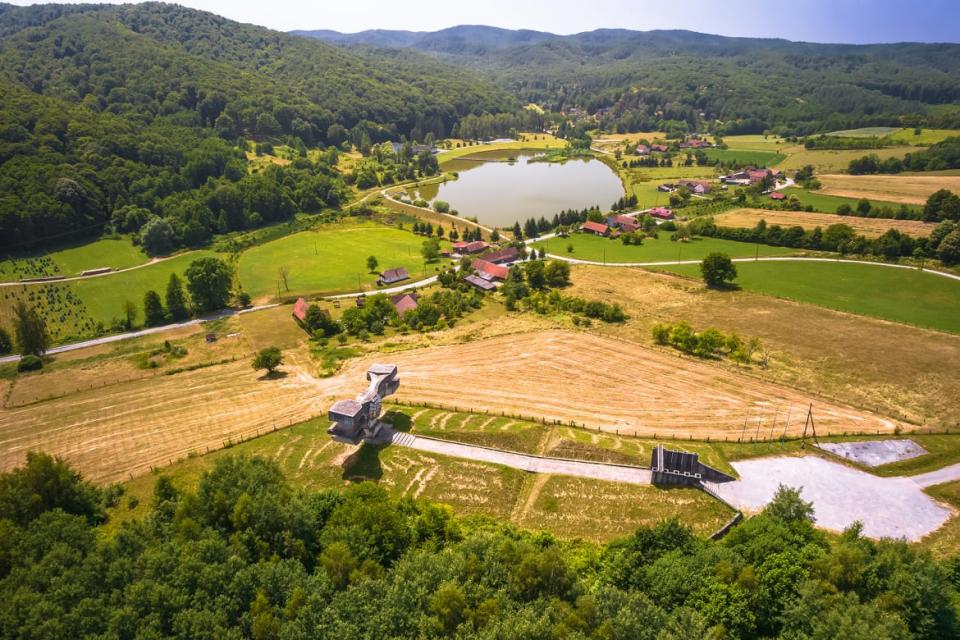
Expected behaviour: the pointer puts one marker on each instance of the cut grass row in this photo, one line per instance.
(899, 295)
(661, 249)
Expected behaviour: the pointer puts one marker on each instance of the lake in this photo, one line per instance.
(499, 193)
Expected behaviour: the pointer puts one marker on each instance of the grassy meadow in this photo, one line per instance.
(537, 141)
(899, 295)
(330, 259)
(116, 253)
(760, 158)
(662, 249)
(829, 204)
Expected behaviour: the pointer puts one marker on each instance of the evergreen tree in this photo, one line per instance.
(153, 313)
(176, 299)
(30, 330)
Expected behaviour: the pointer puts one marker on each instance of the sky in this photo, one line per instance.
(848, 21)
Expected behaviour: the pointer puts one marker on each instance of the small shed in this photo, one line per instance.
(776, 195)
(300, 311)
(480, 283)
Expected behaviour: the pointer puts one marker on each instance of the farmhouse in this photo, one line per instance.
(480, 283)
(300, 311)
(643, 150)
(391, 276)
(776, 195)
(490, 271)
(626, 224)
(662, 213)
(476, 246)
(404, 302)
(596, 228)
(699, 187)
(659, 147)
(502, 256)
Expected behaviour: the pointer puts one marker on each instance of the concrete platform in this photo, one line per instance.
(873, 453)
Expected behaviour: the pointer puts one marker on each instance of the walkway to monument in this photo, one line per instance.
(524, 462)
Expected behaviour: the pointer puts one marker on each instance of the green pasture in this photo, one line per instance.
(662, 249)
(829, 204)
(745, 156)
(899, 295)
(926, 136)
(866, 132)
(757, 142)
(104, 295)
(116, 253)
(330, 259)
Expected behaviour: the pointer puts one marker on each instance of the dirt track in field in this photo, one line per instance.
(870, 227)
(910, 189)
(121, 430)
(614, 385)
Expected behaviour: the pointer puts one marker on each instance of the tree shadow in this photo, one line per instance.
(364, 464)
(398, 420)
(727, 286)
(273, 375)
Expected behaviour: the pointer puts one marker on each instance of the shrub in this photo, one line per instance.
(30, 363)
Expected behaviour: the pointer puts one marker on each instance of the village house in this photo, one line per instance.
(662, 213)
(404, 302)
(391, 276)
(490, 271)
(776, 195)
(464, 248)
(300, 311)
(643, 150)
(480, 283)
(509, 254)
(662, 148)
(596, 228)
(698, 187)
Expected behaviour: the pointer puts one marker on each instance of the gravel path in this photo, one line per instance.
(841, 495)
(533, 464)
(947, 474)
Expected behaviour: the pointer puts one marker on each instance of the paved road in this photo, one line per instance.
(946, 474)
(226, 313)
(533, 464)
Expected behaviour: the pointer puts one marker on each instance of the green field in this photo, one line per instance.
(927, 136)
(899, 295)
(866, 132)
(745, 156)
(330, 259)
(104, 296)
(757, 142)
(829, 204)
(662, 249)
(117, 253)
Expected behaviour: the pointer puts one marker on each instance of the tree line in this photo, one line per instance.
(243, 554)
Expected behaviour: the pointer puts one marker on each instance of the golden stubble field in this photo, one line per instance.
(870, 227)
(909, 189)
(890, 368)
(123, 430)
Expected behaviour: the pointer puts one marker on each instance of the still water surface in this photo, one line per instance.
(500, 193)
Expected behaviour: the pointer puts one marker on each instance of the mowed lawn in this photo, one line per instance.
(745, 156)
(104, 295)
(899, 295)
(662, 249)
(116, 253)
(330, 259)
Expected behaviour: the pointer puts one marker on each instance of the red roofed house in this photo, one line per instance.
(300, 311)
(470, 247)
(661, 212)
(643, 150)
(659, 147)
(776, 195)
(404, 302)
(627, 224)
(698, 187)
(503, 255)
(490, 271)
(597, 228)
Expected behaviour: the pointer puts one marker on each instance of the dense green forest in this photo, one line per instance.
(245, 555)
(679, 80)
(113, 117)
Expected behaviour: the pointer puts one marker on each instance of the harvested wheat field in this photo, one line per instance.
(904, 189)
(120, 430)
(611, 384)
(870, 227)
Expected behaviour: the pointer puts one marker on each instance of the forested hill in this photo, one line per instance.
(747, 84)
(111, 116)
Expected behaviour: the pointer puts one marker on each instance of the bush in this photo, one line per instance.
(30, 363)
